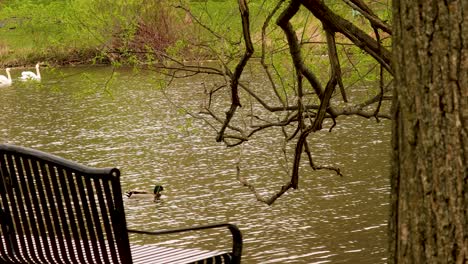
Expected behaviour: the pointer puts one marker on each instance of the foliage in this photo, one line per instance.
(78, 31)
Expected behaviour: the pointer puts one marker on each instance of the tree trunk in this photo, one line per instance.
(429, 181)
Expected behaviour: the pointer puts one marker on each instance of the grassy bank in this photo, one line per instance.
(75, 32)
(128, 31)
(41, 31)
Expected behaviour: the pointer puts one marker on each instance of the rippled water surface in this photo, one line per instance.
(127, 122)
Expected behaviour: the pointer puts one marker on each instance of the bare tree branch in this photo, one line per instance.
(353, 33)
(369, 14)
(294, 47)
(235, 101)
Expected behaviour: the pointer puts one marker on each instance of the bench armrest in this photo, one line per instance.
(235, 232)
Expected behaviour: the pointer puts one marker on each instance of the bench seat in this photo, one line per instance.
(141, 254)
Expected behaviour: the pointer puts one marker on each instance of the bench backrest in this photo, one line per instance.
(57, 211)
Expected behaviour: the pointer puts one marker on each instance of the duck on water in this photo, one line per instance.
(156, 195)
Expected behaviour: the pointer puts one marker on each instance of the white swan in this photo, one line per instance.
(5, 81)
(28, 75)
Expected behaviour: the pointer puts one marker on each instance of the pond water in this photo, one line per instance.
(83, 115)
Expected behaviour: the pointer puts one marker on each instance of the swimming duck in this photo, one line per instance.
(156, 195)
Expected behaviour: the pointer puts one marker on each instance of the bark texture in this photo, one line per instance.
(429, 212)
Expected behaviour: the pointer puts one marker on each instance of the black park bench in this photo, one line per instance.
(57, 211)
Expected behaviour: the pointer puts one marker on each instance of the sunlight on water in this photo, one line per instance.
(329, 219)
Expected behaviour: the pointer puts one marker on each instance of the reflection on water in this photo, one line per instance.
(330, 219)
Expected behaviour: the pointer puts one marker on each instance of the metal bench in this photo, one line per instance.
(54, 210)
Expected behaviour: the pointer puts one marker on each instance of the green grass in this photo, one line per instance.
(37, 31)
(60, 31)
